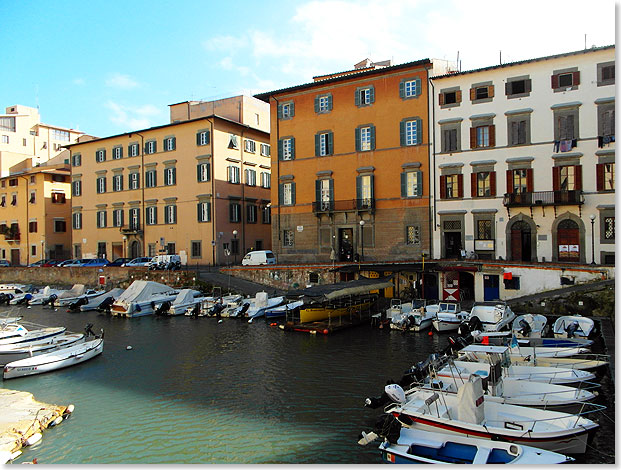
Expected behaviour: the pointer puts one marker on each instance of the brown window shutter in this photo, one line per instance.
(473, 137)
(599, 174)
(492, 136)
(556, 178)
(458, 96)
(460, 185)
(473, 185)
(509, 181)
(529, 180)
(576, 78)
(578, 176)
(554, 82)
(492, 183)
(442, 187)
(473, 94)
(490, 91)
(441, 99)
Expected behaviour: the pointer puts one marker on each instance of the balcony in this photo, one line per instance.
(544, 198)
(346, 205)
(12, 234)
(131, 229)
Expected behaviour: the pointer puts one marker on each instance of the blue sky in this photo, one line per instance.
(107, 67)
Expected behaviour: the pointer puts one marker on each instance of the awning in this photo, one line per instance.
(327, 292)
(459, 268)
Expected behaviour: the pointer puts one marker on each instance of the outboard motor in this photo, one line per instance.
(196, 310)
(105, 304)
(571, 329)
(389, 427)
(395, 392)
(244, 309)
(525, 328)
(456, 343)
(217, 308)
(75, 306)
(163, 308)
(25, 299)
(88, 330)
(376, 402)
(463, 329)
(8, 298)
(475, 323)
(3, 298)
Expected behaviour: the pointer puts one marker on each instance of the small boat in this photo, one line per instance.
(65, 357)
(225, 305)
(14, 288)
(260, 303)
(412, 316)
(15, 351)
(283, 310)
(140, 298)
(94, 303)
(78, 293)
(529, 326)
(467, 413)
(493, 316)
(43, 297)
(503, 338)
(448, 315)
(17, 333)
(22, 297)
(186, 299)
(573, 326)
(4, 321)
(416, 446)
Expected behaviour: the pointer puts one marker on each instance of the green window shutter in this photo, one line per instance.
(316, 104)
(357, 97)
(199, 212)
(402, 91)
(292, 109)
(357, 139)
(292, 148)
(174, 143)
(280, 150)
(330, 143)
(208, 212)
(318, 192)
(330, 102)
(418, 86)
(279, 111)
(198, 173)
(174, 176)
(419, 183)
(372, 137)
(419, 131)
(280, 194)
(402, 133)
(174, 214)
(317, 144)
(372, 183)
(358, 190)
(331, 189)
(198, 138)
(293, 194)
(372, 94)
(404, 185)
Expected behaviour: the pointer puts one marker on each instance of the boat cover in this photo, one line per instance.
(471, 405)
(185, 296)
(76, 291)
(327, 292)
(143, 290)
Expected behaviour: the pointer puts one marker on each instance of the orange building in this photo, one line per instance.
(352, 165)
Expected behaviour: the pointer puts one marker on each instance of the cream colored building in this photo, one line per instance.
(35, 211)
(198, 186)
(23, 135)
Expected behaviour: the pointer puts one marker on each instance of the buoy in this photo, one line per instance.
(220, 321)
(128, 348)
(325, 332)
(36, 437)
(273, 324)
(430, 333)
(58, 420)
(70, 409)
(29, 306)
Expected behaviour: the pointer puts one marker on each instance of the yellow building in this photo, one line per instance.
(23, 135)
(198, 187)
(35, 209)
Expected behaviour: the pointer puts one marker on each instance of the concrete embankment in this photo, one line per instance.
(21, 417)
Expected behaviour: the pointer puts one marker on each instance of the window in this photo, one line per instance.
(449, 97)
(170, 143)
(5, 139)
(170, 176)
(265, 150)
(609, 228)
(33, 250)
(3, 201)
(117, 153)
(364, 192)
(323, 103)
(565, 79)
(605, 174)
(55, 178)
(482, 136)
(520, 181)
(451, 186)
(286, 110)
(76, 188)
(287, 194)
(518, 130)
(234, 212)
(287, 238)
(324, 143)
(60, 226)
(324, 194)
(170, 214)
(196, 249)
(411, 132)
(13, 199)
(364, 96)
(150, 147)
(13, 182)
(250, 146)
(518, 87)
(568, 178)
(605, 123)
(483, 184)
(412, 235)
(100, 156)
(134, 218)
(101, 219)
(606, 73)
(76, 218)
(7, 124)
(57, 134)
(117, 183)
(365, 138)
(484, 230)
(513, 283)
(32, 226)
(265, 180)
(134, 180)
(251, 214)
(58, 198)
(76, 160)
(132, 150)
(150, 178)
(251, 177)
(450, 138)
(233, 174)
(151, 215)
(482, 92)
(412, 184)
(410, 88)
(204, 211)
(266, 215)
(566, 124)
(202, 138)
(33, 197)
(117, 218)
(101, 184)
(286, 148)
(203, 172)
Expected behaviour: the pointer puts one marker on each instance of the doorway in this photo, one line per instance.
(346, 248)
(15, 257)
(520, 241)
(568, 241)
(491, 287)
(134, 249)
(452, 245)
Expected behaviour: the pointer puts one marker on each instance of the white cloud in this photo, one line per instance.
(118, 80)
(132, 117)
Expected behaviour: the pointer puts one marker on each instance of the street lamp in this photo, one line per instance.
(234, 245)
(362, 238)
(592, 217)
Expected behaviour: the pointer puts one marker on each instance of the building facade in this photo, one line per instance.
(35, 209)
(351, 165)
(199, 187)
(23, 135)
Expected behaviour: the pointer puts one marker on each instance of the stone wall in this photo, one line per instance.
(285, 277)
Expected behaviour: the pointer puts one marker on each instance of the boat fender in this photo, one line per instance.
(68, 411)
(129, 348)
(57, 421)
(32, 440)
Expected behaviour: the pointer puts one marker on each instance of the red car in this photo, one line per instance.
(50, 263)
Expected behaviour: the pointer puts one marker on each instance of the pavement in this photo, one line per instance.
(212, 276)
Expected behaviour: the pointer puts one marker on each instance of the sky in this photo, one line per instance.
(108, 67)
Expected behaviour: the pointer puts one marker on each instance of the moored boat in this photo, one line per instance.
(95, 303)
(573, 326)
(15, 351)
(449, 316)
(411, 316)
(186, 298)
(493, 316)
(141, 297)
(78, 293)
(529, 326)
(18, 333)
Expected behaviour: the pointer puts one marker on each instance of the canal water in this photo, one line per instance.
(191, 390)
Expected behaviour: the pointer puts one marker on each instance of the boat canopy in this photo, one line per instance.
(143, 290)
(76, 291)
(327, 292)
(485, 349)
(186, 296)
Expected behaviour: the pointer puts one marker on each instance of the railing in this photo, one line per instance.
(12, 235)
(131, 229)
(345, 205)
(544, 198)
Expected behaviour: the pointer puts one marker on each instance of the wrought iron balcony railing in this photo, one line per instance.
(544, 198)
(364, 204)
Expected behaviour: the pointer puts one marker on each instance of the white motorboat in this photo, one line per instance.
(224, 304)
(467, 413)
(15, 351)
(43, 297)
(77, 293)
(573, 326)
(493, 316)
(283, 309)
(141, 297)
(411, 316)
(185, 299)
(448, 315)
(17, 333)
(54, 360)
(14, 288)
(4, 321)
(416, 446)
(22, 297)
(529, 326)
(260, 303)
(95, 303)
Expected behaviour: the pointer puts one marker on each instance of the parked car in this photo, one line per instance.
(38, 264)
(259, 257)
(50, 263)
(96, 262)
(75, 263)
(65, 263)
(141, 261)
(119, 261)
(161, 262)
(4, 263)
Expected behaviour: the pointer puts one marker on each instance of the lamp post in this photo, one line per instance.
(362, 238)
(592, 217)
(234, 245)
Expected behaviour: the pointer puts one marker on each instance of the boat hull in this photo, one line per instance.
(444, 325)
(311, 314)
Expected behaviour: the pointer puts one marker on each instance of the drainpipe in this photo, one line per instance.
(142, 185)
(27, 221)
(277, 168)
(213, 192)
(432, 222)
(243, 201)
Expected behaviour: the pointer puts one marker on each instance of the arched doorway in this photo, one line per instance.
(520, 241)
(134, 249)
(568, 241)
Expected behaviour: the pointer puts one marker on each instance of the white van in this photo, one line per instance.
(165, 259)
(255, 258)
